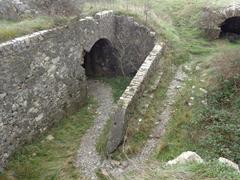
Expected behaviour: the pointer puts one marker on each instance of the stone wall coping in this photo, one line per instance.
(138, 79)
(104, 14)
(122, 112)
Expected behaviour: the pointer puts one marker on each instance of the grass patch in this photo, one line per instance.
(209, 170)
(209, 123)
(118, 85)
(103, 139)
(213, 169)
(45, 159)
(216, 123)
(12, 29)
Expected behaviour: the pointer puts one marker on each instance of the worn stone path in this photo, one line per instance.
(88, 160)
(158, 131)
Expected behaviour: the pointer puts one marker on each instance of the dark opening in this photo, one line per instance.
(231, 29)
(101, 60)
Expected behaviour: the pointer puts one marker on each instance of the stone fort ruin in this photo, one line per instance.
(43, 76)
(219, 22)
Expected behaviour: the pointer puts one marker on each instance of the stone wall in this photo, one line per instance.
(42, 79)
(128, 100)
(132, 42)
(15, 9)
(213, 19)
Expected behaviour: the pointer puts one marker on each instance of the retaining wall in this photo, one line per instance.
(128, 100)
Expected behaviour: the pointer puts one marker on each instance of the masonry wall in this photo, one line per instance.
(128, 100)
(42, 79)
(212, 19)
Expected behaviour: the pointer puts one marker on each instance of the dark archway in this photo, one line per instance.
(230, 28)
(101, 60)
(231, 25)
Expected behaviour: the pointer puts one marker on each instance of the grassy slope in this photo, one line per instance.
(44, 159)
(118, 85)
(157, 171)
(11, 29)
(182, 134)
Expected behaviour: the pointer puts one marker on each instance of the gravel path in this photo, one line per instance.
(165, 116)
(158, 131)
(88, 160)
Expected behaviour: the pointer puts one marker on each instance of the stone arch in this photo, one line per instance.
(215, 22)
(101, 59)
(231, 25)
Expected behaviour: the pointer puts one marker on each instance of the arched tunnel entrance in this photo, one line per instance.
(231, 25)
(230, 28)
(101, 60)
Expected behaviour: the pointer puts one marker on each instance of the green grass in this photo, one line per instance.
(189, 128)
(12, 29)
(213, 169)
(208, 170)
(103, 139)
(118, 85)
(44, 159)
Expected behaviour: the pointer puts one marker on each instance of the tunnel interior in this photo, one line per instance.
(230, 28)
(101, 60)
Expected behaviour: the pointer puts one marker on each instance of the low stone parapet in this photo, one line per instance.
(128, 100)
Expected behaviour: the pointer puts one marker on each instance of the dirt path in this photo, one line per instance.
(158, 132)
(88, 160)
(165, 116)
